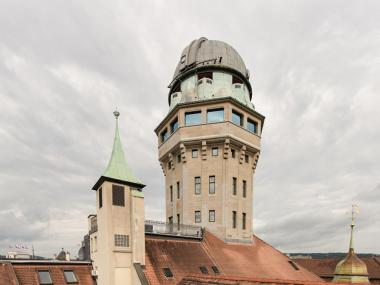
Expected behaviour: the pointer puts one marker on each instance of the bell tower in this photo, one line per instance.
(117, 230)
(209, 142)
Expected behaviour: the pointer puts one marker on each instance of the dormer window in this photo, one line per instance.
(44, 277)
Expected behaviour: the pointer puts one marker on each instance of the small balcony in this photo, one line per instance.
(171, 229)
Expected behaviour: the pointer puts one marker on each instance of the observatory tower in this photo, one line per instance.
(209, 142)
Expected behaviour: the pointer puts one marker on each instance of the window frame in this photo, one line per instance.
(197, 214)
(193, 113)
(234, 186)
(66, 279)
(194, 153)
(120, 189)
(215, 110)
(100, 197)
(244, 221)
(174, 123)
(211, 182)
(178, 190)
(214, 149)
(119, 239)
(164, 135)
(39, 277)
(234, 223)
(238, 114)
(171, 193)
(233, 153)
(197, 185)
(244, 188)
(255, 126)
(209, 216)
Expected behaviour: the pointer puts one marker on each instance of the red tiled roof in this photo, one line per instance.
(7, 275)
(25, 272)
(185, 256)
(235, 280)
(325, 267)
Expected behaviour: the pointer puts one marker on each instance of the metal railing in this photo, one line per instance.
(173, 229)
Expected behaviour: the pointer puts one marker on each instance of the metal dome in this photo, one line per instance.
(204, 54)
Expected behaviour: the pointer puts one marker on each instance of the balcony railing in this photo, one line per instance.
(163, 228)
(171, 229)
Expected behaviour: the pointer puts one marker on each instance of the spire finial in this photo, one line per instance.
(116, 114)
(354, 213)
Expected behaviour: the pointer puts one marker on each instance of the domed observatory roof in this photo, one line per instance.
(210, 69)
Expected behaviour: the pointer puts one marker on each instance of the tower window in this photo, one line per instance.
(178, 221)
(171, 193)
(252, 126)
(246, 157)
(211, 216)
(203, 269)
(234, 182)
(204, 75)
(237, 118)
(244, 221)
(118, 195)
(170, 220)
(197, 185)
(164, 135)
(194, 153)
(236, 79)
(178, 191)
(233, 153)
(234, 219)
(174, 125)
(215, 269)
(244, 188)
(169, 165)
(211, 184)
(121, 240)
(44, 277)
(167, 272)
(100, 198)
(179, 158)
(192, 118)
(215, 151)
(198, 217)
(215, 116)
(70, 276)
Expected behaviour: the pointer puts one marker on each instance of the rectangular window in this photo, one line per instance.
(244, 188)
(178, 191)
(121, 240)
(170, 220)
(211, 216)
(211, 184)
(169, 165)
(215, 116)
(70, 276)
(244, 221)
(197, 185)
(234, 219)
(193, 118)
(234, 182)
(194, 153)
(118, 195)
(174, 125)
(179, 158)
(198, 218)
(164, 135)
(171, 193)
(233, 153)
(252, 126)
(246, 157)
(215, 151)
(44, 277)
(178, 222)
(100, 198)
(237, 118)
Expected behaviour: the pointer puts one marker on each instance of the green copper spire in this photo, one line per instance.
(117, 167)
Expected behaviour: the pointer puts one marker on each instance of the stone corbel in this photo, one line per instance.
(242, 154)
(204, 150)
(163, 168)
(255, 159)
(183, 152)
(226, 148)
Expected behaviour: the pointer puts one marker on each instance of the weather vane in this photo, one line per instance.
(354, 213)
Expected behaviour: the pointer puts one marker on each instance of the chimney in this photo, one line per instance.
(67, 256)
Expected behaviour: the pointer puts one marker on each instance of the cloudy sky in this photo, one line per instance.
(65, 65)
